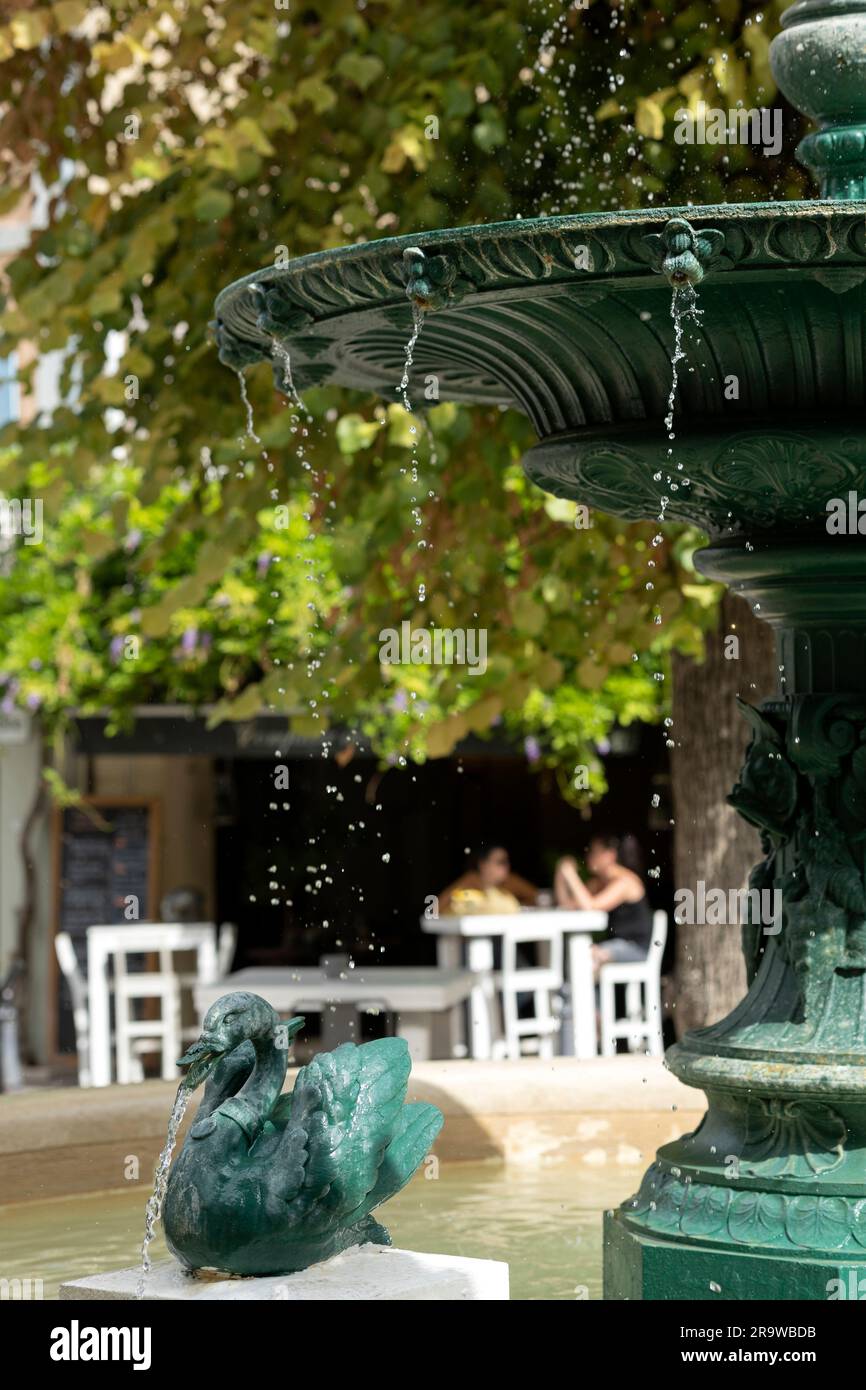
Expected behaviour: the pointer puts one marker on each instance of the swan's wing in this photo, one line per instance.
(349, 1106)
(281, 1154)
(417, 1128)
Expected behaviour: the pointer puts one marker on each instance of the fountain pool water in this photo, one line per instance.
(544, 1221)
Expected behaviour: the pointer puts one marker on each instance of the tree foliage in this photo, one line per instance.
(184, 559)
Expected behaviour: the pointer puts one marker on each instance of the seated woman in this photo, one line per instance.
(491, 870)
(615, 887)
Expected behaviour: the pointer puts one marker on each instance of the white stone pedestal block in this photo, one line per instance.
(362, 1273)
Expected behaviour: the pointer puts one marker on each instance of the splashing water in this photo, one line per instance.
(153, 1210)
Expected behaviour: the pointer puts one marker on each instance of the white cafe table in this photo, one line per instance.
(469, 939)
(426, 1000)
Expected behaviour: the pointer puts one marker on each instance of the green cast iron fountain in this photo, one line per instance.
(567, 320)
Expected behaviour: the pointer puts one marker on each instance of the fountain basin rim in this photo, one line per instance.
(369, 276)
(581, 345)
(518, 227)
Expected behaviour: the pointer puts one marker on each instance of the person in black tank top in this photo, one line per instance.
(615, 887)
(632, 922)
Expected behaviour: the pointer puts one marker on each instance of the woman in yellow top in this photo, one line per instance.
(491, 870)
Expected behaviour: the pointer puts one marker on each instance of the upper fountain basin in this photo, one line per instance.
(568, 320)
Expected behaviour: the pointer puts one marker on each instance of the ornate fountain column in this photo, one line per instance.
(767, 1199)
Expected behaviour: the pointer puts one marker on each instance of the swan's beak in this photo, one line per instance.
(201, 1059)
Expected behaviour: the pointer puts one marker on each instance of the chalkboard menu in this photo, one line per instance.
(105, 857)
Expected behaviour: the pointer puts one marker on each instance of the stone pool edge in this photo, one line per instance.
(615, 1110)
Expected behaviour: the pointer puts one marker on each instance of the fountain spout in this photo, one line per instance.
(683, 255)
(430, 280)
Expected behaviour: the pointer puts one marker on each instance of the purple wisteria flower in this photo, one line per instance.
(532, 749)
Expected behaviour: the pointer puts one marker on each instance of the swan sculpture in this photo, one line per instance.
(268, 1183)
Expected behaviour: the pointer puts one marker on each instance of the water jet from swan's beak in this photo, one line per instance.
(201, 1058)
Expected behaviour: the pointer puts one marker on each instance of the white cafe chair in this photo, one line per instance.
(129, 1031)
(642, 1022)
(134, 1036)
(77, 986)
(67, 959)
(543, 982)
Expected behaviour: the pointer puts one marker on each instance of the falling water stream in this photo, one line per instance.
(684, 308)
(302, 420)
(153, 1210)
(281, 353)
(248, 407)
(403, 389)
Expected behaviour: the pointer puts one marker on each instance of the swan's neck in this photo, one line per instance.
(266, 1081)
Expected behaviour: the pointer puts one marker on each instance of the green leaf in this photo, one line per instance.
(213, 204)
(529, 616)
(320, 96)
(490, 132)
(355, 433)
(362, 69)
